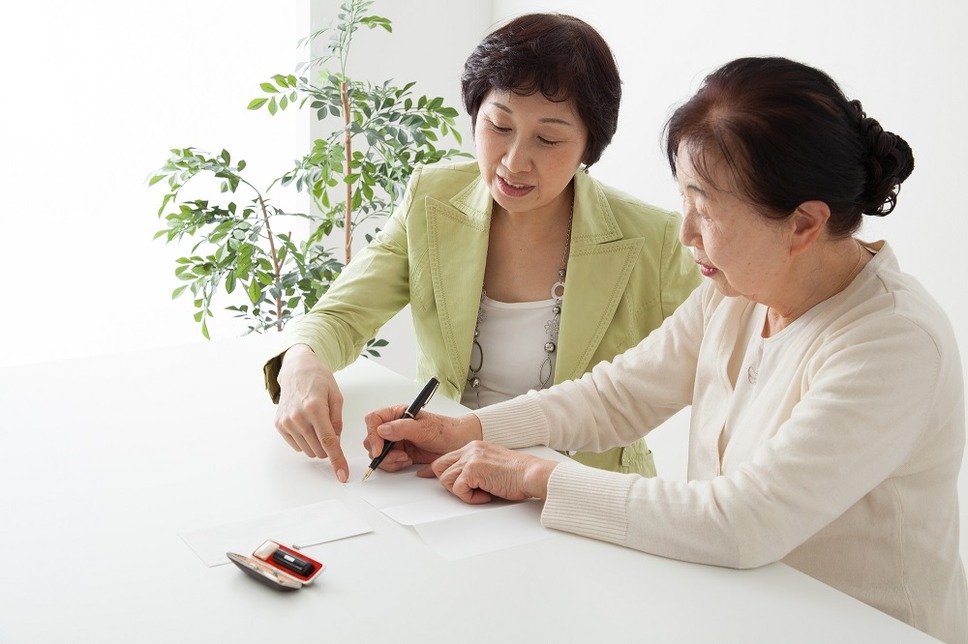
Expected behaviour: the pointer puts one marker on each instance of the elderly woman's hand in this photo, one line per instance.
(480, 471)
(417, 441)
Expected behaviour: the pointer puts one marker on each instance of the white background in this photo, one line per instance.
(94, 93)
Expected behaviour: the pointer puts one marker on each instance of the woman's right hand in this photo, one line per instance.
(418, 441)
(310, 411)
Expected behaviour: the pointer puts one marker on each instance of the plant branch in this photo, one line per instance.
(276, 268)
(348, 146)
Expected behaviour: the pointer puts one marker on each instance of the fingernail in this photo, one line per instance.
(385, 431)
(341, 475)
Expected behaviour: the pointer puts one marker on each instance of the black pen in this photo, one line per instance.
(418, 403)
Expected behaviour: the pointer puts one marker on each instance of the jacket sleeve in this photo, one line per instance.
(371, 289)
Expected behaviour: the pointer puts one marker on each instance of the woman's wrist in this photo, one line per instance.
(297, 351)
(536, 477)
(469, 428)
(299, 356)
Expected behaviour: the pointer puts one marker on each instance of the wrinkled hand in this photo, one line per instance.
(310, 412)
(417, 441)
(480, 471)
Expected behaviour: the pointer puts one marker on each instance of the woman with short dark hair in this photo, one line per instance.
(521, 269)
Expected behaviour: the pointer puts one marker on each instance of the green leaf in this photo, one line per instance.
(268, 88)
(256, 103)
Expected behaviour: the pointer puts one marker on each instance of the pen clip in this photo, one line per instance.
(422, 398)
(432, 391)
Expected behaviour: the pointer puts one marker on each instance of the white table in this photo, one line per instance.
(104, 461)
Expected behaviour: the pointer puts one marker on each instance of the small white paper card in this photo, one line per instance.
(302, 526)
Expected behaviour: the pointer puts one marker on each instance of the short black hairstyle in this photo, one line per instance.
(558, 55)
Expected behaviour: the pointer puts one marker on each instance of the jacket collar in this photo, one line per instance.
(593, 222)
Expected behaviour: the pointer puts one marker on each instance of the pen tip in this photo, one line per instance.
(369, 471)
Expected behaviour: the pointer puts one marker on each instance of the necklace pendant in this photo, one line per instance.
(558, 291)
(551, 328)
(544, 372)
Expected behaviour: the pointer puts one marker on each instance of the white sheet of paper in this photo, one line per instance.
(301, 526)
(472, 534)
(449, 526)
(405, 497)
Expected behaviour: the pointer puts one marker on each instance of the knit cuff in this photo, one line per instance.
(516, 423)
(588, 501)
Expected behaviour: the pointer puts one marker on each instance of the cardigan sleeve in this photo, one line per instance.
(616, 402)
(849, 433)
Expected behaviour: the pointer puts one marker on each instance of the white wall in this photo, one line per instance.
(94, 93)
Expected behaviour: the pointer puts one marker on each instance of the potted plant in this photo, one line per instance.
(353, 175)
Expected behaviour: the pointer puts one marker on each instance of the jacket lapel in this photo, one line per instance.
(458, 233)
(599, 267)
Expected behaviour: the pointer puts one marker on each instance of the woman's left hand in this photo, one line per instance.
(480, 471)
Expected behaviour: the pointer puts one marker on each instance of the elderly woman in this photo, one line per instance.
(828, 422)
(521, 269)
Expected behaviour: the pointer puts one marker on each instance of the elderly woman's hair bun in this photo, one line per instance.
(788, 135)
(889, 162)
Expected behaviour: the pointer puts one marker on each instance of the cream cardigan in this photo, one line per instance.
(849, 475)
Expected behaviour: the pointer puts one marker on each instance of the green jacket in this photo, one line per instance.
(626, 274)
